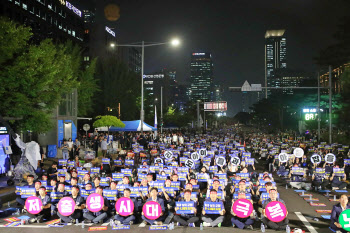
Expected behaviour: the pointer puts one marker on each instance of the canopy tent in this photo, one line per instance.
(129, 126)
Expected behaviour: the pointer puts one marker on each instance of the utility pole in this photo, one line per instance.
(161, 110)
(198, 114)
(330, 104)
(318, 109)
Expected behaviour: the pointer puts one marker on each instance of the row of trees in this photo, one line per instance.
(34, 77)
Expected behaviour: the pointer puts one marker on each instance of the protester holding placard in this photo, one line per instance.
(211, 214)
(319, 179)
(280, 225)
(96, 216)
(338, 180)
(154, 197)
(336, 211)
(125, 208)
(30, 184)
(79, 206)
(242, 212)
(185, 215)
(297, 178)
(45, 212)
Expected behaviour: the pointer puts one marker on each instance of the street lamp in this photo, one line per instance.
(175, 42)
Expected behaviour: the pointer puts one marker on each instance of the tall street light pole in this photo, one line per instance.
(174, 42)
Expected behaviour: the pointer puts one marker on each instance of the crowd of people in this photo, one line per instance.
(200, 170)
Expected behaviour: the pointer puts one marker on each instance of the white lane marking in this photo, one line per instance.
(306, 223)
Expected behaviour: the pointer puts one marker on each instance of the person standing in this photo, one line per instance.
(104, 147)
(76, 147)
(70, 148)
(65, 149)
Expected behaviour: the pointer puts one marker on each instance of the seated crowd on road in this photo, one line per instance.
(191, 180)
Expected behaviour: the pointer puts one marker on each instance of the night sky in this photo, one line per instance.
(233, 31)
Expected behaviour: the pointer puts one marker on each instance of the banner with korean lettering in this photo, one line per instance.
(62, 162)
(111, 195)
(298, 171)
(202, 177)
(338, 171)
(213, 207)
(61, 172)
(27, 192)
(117, 176)
(104, 182)
(106, 160)
(70, 164)
(95, 170)
(175, 184)
(276, 211)
(126, 172)
(158, 184)
(184, 207)
(129, 162)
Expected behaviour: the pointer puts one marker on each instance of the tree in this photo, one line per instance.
(108, 121)
(34, 77)
(118, 85)
(243, 117)
(87, 88)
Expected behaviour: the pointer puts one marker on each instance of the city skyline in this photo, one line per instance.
(232, 31)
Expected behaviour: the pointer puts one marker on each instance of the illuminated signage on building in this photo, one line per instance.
(198, 54)
(72, 8)
(63, 2)
(110, 31)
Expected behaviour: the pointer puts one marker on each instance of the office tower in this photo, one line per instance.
(201, 77)
(275, 56)
(58, 20)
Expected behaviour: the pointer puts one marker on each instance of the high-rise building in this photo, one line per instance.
(275, 56)
(290, 78)
(201, 77)
(218, 93)
(58, 20)
(131, 57)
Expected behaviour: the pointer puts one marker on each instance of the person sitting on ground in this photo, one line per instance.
(338, 181)
(242, 223)
(336, 211)
(213, 219)
(187, 219)
(98, 217)
(79, 206)
(130, 219)
(274, 225)
(154, 197)
(45, 212)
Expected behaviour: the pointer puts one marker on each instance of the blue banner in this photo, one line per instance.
(62, 162)
(82, 173)
(86, 193)
(117, 162)
(27, 192)
(105, 161)
(110, 194)
(185, 207)
(70, 164)
(61, 172)
(122, 227)
(175, 184)
(213, 169)
(104, 182)
(202, 177)
(56, 196)
(117, 176)
(129, 162)
(126, 172)
(95, 170)
(213, 207)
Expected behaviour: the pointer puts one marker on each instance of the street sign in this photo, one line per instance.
(86, 127)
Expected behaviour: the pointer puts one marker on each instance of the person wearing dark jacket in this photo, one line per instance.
(336, 211)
